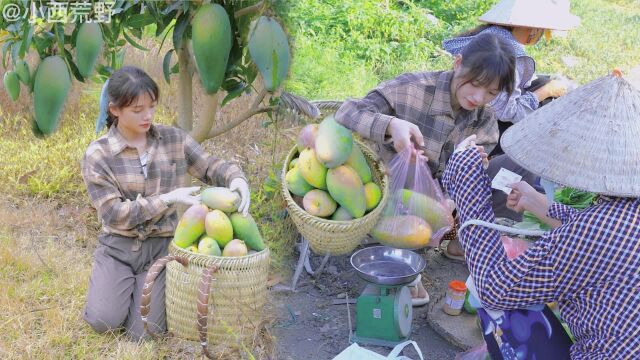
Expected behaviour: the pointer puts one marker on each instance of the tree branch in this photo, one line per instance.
(201, 132)
(249, 9)
(185, 95)
(253, 110)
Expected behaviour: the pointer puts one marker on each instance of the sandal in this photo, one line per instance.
(458, 258)
(419, 301)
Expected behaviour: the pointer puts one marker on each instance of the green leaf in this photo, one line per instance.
(178, 32)
(136, 32)
(140, 20)
(74, 69)
(27, 35)
(59, 31)
(5, 47)
(233, 94)
(173, 6)
(165, 66)
(133, 42)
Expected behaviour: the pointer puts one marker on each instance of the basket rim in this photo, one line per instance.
(202, 258)
(339, 224)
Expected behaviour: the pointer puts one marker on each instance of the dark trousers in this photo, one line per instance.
(115, 286)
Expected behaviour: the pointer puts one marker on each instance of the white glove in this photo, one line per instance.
(240, 186)
(470, 142)
(182, 196)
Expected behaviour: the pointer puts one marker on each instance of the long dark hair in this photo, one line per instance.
(487, 58)
(125, 85)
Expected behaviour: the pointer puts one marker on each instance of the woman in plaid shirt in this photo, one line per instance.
(433, 111)
(135, 174)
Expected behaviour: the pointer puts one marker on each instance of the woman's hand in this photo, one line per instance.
(524, 197)
(240, 186)
(470, 142)
(552, 89)
(404, 134)
(182, 196)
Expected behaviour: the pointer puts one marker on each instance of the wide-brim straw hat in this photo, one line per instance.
(541, 14)
(588, 139)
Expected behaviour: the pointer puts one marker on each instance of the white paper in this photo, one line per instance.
(503, 178)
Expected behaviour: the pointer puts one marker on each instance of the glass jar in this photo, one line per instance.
(454, 299)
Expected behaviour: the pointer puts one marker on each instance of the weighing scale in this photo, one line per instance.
(384, 312)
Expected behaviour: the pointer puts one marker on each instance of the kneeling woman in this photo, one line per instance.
(135, 174)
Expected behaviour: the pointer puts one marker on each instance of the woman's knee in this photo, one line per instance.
(103, 320)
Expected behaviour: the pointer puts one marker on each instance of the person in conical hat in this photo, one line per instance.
(590, 263)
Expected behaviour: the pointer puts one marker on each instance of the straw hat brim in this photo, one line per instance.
(541, 14)
(588, 139)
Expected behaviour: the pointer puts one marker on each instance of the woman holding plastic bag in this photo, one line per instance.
(590, 263)
(426, 114)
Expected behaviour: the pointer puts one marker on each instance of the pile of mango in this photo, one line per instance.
(415, 217)
(216, 228)
(331, 177)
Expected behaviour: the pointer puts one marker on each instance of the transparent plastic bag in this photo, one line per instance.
(417, 214)
(515, 246)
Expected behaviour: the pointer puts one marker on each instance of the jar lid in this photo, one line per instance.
(457, 285)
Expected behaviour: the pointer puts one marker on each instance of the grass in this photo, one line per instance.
(341, 49)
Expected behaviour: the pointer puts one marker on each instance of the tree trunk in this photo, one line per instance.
(185, 92)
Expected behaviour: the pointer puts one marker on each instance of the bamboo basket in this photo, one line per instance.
(238, 295)
(336, 237)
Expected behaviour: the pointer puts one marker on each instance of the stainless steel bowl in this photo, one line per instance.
(385, 265)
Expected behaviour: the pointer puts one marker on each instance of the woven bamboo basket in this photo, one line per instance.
(336, 237)
(238, 295)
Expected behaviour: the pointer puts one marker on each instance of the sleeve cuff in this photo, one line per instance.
(379, 126)
(560, 212)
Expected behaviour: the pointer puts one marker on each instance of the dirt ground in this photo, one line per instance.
(309, 326)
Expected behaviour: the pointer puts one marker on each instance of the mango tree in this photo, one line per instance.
(225, 43)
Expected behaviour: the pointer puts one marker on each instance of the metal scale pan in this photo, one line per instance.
(384, 265)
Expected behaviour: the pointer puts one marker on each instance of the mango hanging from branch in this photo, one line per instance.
(88, 47)
(50, 90)
(269, 50)
(211, 43)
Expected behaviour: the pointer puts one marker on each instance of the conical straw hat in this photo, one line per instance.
(542, 14)
(588, 139)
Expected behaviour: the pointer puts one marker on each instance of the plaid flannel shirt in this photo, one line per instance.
(127, 203)
(590, 265)
(423, 99)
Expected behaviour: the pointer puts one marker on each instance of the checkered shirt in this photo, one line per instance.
(128, 204)
(423, 99)
(590, 265)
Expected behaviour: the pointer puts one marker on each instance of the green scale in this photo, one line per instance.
(384, 312)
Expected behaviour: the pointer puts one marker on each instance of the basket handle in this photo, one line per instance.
(149, 281)
(503, 228)
(203, 306)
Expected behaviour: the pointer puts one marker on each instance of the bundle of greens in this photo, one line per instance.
(577, 199)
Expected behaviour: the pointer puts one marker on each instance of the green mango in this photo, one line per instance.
(357, 161)
(334, 143)
(218, 226)
(312, 170)
(435, 213)
(372, 195)
(50, 91)
(246, 229)
(12, 85)
(341, 214)
(211, 42)
(346, 189)
(318, 203)
(89, 44)
(191, 226)
(296, 183)
(269, 50)
(22, 69)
